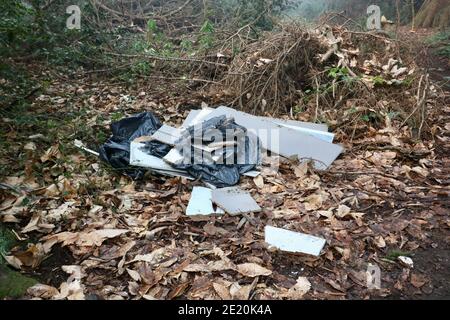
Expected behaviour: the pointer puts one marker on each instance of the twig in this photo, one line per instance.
(166, 58)
(182, 79)
(317, 99)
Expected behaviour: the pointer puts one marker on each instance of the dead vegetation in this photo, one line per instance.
(330, 73)
(269, 73)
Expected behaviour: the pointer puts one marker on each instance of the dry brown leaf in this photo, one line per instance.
(178, 290)
(87, 239)
(63, 211)
(51, 191)
(301, 288)
(13, 261)
(220, 265)
(418, 280)
(259, 182)
(252, 270)
(71, 291)
(315, 201)
(301, 170)
(76, 272)
(42, 291)
(222, 291)
(343, 211)
(380, 242)
(153, 258)
(134, 275)
(51, 153)
(32, 257)
(421, 171)
(238, 292)
(33, 224)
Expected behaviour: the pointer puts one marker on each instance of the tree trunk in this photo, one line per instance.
(433, 14)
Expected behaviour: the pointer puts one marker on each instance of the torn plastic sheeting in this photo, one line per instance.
(116, 151)
(295, 242)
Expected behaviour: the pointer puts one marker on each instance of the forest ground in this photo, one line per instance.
(412, 219)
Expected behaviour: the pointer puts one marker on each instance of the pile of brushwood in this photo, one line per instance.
(330, 74)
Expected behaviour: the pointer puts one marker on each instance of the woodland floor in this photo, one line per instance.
(377, 202)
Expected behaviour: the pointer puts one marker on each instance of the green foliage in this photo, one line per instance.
(378, 81)
(338, 73)
(152, 26)
(206, 38)
(16, 25)
(441, 41)
(12, 283)
(259, 13)
(39, 31)
(371, 117)
(7, 240)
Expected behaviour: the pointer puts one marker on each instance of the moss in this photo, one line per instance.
(394, 254)
(7, 240)
(12, 283)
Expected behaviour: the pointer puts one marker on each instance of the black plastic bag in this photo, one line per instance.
(221, 175)
(116, 151)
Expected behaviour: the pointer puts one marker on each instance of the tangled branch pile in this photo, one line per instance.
(269, 72)
(329, 73)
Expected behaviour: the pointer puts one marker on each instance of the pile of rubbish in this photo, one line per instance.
(218, 146)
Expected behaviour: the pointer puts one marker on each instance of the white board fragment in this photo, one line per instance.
(196, 116)
(174, 157)
(283, 140)
(234, 201)
(252, 174)
(200, 203)
(296, 242)
(319, 134)
(139, 158)
(168, 135)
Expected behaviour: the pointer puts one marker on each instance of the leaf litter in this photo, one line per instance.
(132, 240)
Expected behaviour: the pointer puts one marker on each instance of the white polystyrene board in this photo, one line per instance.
(234, 201)
(293, 123)
(174, 174)
(284, 140)
(290, 241)
(252, 174)
(200, 203)
(300, 124)
(168, 135)
(174, 157)
(196, 116)
(140, 158)
(322, 135)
